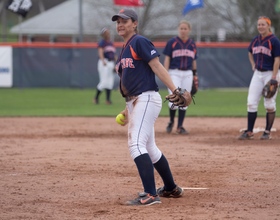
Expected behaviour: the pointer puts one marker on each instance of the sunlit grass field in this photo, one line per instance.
(79, 102)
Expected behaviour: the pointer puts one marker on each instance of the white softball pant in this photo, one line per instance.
(106, 74)
(142, 114)
(182, 79)
(257, 83)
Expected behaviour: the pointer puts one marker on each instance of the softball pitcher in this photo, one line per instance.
(180, 61)
(136, 66)
(264, 56)
(105, 66)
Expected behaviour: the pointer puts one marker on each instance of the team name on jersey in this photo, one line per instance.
(261, 49)
(127, 63)
(183, 53)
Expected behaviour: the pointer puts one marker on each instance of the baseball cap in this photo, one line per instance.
(126, 14)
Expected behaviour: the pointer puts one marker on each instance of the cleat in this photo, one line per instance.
(169, 127)
(175, 193)
(181, 130)
(246, 135)
(265, 136)
(144, 199)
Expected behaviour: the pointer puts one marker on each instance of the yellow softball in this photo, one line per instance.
(119, 119)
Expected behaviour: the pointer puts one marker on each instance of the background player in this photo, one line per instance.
(137, 65)
(105, 66)
(264, 56)
(180, 61)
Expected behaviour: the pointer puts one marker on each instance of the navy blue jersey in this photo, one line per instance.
(181, 53)
(136, 76)
(264, 51)
(108, 48)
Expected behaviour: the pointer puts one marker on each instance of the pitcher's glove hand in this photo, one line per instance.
(270, 88)
(180, 97)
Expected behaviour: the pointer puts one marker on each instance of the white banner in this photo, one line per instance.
(6, 66)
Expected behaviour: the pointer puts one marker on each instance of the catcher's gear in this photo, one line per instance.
(194, 85)
(180, 97)
(270, 88)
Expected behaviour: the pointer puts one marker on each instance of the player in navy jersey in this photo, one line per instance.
(264, 56)
(137, 65)
(180, 61)
(105, 66)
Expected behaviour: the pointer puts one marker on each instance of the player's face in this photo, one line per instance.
(125, 27)
(184, 31)
(263, 27)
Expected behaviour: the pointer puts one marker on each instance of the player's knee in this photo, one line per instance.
(270, 107)
(155, 154)
(270, 110)
(252, 107)
(137, 150)
(270, 104)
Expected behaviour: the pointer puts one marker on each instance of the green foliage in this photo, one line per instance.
(78, 102)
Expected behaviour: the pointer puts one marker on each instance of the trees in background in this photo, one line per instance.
(238, 18)
(235, 19)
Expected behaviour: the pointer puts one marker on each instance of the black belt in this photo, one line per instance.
(262, 70)
(184, 69)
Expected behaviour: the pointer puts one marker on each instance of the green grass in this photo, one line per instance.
(78, 102)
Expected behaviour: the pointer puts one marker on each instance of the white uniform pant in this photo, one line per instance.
(106, 75)
(142, 114)
(182, 79)
(257, 83)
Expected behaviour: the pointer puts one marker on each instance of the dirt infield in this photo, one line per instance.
(80, 168)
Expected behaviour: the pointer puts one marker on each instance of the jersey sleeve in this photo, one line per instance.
(194, 49)
(168, 48)
(145, 49)
(276, 47)
(101, 43)
(250, 47)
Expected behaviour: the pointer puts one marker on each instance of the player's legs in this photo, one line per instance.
(106, 80)
(185, 83)
(253, 99)
(152, 148)
(109, 75)
(175, 76)
(100, 86)
(96, 98)
(109, 81)
(160, 163)
(172, 113)
(270, 106)
(142, 114)
(108, 97)
(102, 72)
